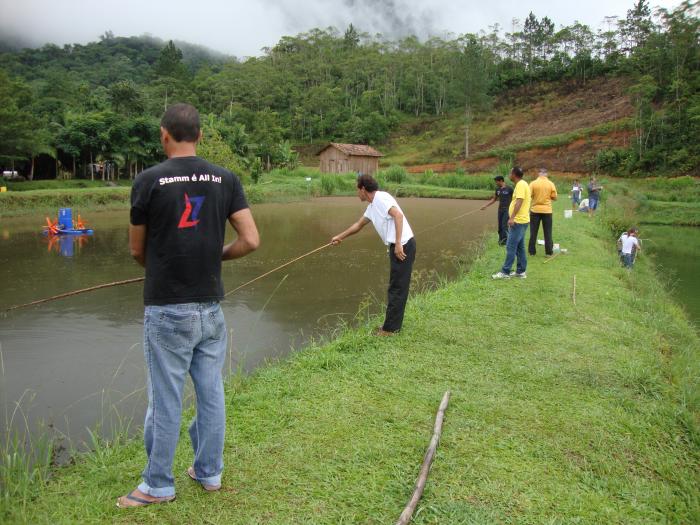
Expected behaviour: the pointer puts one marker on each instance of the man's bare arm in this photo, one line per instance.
(137, 243)
(489, 203)
(248, 238)
(516, 208)
(398, 224)
(352, 230)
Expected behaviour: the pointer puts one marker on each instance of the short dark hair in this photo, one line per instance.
(368, 183)
(499, 177)
(517, 171)
(182, 122)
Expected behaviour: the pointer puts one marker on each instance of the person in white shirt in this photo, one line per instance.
(576, 192)
(583, 206)
(388, 219)
(629, 246)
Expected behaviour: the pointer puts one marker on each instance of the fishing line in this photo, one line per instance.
(448, 221)
(139, 279)
(278, 268)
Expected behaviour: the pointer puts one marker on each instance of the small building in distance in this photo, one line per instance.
(344, 158)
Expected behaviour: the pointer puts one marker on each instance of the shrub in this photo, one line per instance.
(428, 177)
(328, 184)
(453, 180)
(256, 169)
(347, 182)
(613, 160)
(503, 169)
(395, 174)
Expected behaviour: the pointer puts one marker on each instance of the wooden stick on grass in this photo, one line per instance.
(427, 462)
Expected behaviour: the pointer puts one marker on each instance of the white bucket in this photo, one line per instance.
(568, 214)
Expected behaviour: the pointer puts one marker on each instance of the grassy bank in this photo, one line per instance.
(561, 412)
(45, 197)
(659, 200)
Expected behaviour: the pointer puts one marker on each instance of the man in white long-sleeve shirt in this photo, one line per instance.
(392, 226)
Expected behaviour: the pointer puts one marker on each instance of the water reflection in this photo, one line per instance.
(82, 356)
(66, 245)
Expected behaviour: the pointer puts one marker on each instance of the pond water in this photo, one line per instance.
(77, 362)
(676, 250)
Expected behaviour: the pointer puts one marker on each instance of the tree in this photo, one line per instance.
(637, 27)
(351, 38)
(285, 156)
(170, 62)
(18, 126)
(125, 97)
(213, 148)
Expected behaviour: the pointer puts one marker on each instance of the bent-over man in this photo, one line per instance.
(392, 226)
(179, 211)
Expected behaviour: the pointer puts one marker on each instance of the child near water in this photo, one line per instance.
(628, 246)
(576, 192)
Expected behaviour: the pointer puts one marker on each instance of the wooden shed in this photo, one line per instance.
(344, 158)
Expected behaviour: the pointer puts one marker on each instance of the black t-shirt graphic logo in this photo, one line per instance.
(192, 207)
(175, 200)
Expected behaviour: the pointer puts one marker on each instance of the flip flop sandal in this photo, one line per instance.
(208, 488)
(140, 502)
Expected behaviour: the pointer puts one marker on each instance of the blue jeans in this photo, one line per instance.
(515, 246)
(593, 202)
(627, 260)
(181, 339)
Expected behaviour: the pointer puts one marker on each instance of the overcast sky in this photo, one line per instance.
(242, 28)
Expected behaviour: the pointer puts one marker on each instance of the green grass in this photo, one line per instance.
(560, 413)
(61, 184)
(658, 200)
(47, 201)
(552, 141)
(679, 213)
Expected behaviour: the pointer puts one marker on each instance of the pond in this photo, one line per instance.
(676, 250)
(77, 362)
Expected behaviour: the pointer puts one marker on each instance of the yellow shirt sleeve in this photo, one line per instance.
(521, 191)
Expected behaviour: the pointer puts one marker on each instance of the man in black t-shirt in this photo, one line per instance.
(179, 211)
(503, 195)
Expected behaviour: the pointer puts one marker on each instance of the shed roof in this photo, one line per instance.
(360, 150)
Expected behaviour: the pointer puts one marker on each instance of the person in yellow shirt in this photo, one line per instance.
(518, 221)
(543, 192)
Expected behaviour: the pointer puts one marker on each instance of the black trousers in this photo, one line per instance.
(546, 220)
(502, 225)
(399, 282)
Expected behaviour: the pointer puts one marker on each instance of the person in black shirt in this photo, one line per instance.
(503, 195)
(179, 211)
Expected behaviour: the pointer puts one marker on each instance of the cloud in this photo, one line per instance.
(391, 18)
(242, 27)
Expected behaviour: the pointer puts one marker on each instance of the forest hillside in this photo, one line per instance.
(632, 88)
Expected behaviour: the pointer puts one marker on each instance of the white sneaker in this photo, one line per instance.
(518, 275)
(500, 275)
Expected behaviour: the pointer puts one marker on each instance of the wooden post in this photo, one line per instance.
(407, 513)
